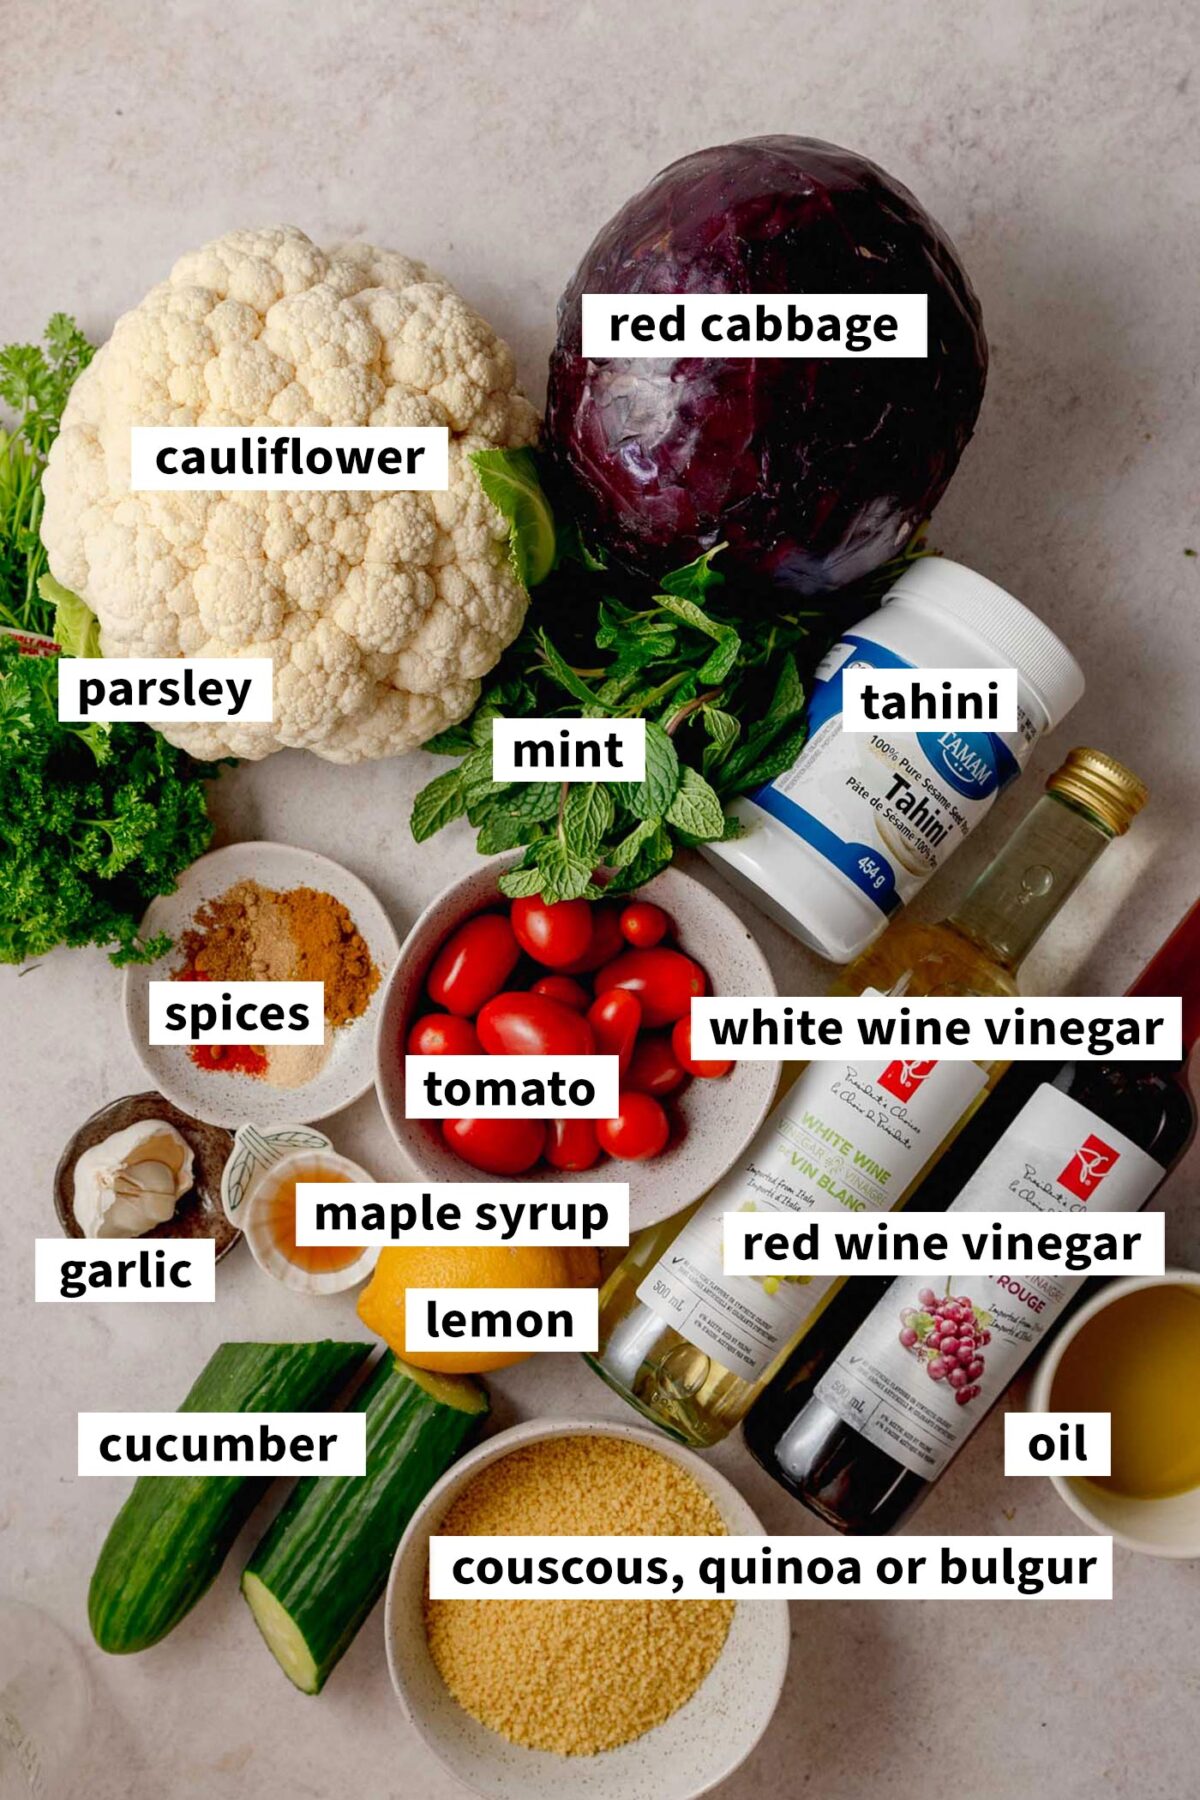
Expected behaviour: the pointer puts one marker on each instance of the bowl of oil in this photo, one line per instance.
(1134, 1352)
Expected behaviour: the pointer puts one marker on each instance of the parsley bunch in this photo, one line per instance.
(34, 383)
(716, 678)
(94, 821)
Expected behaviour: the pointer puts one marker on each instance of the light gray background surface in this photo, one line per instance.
(1057, 143)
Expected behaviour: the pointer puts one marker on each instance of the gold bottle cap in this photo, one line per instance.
(1106, 787)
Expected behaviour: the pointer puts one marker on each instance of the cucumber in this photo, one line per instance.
(168, 1541)
(325, 1560)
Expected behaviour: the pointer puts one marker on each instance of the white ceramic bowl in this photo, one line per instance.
(1169, 1527)
(687, 1755)
(718, 1117)
(266, 1252)
(221, 1099)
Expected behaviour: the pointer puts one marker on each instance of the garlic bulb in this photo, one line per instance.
(132, 1181)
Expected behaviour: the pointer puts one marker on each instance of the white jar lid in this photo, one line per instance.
(1014, 632)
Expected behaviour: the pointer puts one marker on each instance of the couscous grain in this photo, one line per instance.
(577, 1676)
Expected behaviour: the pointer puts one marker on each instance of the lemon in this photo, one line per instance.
(403, 1266)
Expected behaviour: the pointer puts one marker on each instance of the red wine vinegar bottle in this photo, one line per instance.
(887, 1388)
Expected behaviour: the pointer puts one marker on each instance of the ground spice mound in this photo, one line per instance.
(577, 1676)
(252, 933)
(329, 948)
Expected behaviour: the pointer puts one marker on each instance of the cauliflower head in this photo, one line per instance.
(380, 611)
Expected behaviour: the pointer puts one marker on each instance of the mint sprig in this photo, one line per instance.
(716, 675)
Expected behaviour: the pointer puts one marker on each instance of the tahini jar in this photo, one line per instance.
(860, 821)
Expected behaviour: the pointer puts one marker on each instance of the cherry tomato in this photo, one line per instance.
(443, 1034)
(473, 964)
(530, 1025)
(571, 1144)
(708, 1069)
(564, 990)
(644, 924)
(665, 981)
(639, 1131)
(655, 1068)
(616, 1019)
(605, 944)
(498, 1146)
(555, 933)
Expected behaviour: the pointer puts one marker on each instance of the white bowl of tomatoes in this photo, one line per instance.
(482, 974)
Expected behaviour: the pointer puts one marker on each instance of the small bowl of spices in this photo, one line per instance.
(550, 1699)
(267, 912)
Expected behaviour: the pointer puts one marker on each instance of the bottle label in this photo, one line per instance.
(924, 1367)
(887, 809)
(853, 1135)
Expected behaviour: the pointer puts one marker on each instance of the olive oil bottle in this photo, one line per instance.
(690, 1346)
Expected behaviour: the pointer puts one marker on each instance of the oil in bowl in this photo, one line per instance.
(1139, 1359)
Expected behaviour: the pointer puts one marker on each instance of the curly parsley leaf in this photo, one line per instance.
(94, 822)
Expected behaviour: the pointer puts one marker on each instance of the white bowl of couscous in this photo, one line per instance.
(653, 1699)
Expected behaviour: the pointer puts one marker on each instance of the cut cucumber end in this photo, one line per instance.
(283, 1636)
(459, 1391)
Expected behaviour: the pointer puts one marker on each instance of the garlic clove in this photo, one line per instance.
(147, 1178)
(131, 1182)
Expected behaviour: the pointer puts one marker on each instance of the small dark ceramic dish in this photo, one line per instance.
(199, 1213)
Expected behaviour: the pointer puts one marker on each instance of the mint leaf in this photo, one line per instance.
(501, 832)
(693, 615)
(650, 797)
(509, 478)
(723, 731)
(520, 884)
(565, 874)
(695, 578)
(573, 547)
(696, 808)
(456, 740)
(781, 755)
(788, 698)
(479, 790)
(561, 672)
(440, 801)
(652, 856)
(532, 801)
(624, 853)
(587, 817)
(717, 665)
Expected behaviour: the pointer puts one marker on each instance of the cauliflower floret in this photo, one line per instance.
(380, 611)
